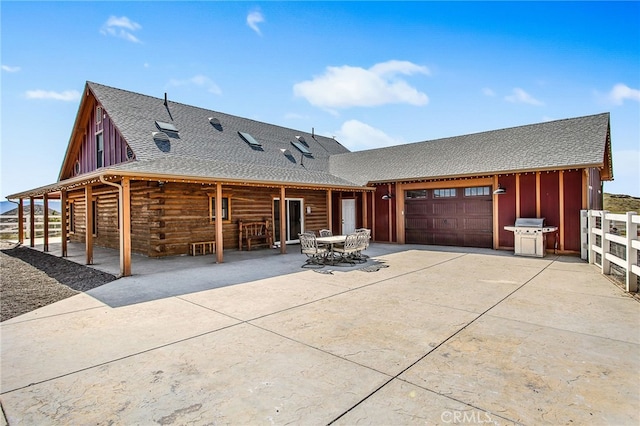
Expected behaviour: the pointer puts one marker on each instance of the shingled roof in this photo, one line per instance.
(204, 148)
(561, 144)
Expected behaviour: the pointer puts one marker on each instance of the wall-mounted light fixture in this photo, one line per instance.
(500, 190)
(387, 196)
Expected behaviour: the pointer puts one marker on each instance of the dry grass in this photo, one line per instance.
(621, 203)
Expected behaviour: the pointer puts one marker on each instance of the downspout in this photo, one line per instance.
(120, 224)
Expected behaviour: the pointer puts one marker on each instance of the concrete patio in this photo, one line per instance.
(437, 336)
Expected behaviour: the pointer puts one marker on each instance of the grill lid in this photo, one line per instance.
(530, 222)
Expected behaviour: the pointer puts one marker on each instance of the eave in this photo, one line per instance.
(116, 175)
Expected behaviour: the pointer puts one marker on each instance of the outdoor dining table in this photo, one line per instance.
(331, 241)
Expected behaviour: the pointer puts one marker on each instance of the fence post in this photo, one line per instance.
(584, 234)
(632, 253)
(591, 238)
(606, 245)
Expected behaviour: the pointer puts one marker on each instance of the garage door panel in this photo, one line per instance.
(457, 220)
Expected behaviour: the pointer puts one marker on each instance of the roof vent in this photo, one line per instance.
(162, 141)
(301, 139)
(166, 127)
(215, 123)
(288, 154)
(250, 140)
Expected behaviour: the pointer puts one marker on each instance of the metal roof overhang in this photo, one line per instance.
(115, 175)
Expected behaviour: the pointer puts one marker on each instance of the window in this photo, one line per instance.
(98, 115)
(249, 139)
(301, 148)
(421, 193)
(444, 193)
(226, 210)
(477, 191)
(99, 150)
(166, 127)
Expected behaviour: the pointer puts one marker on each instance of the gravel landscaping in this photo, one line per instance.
(31, 279)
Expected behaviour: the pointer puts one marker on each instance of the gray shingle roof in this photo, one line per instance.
(202, 149)
(564, 143)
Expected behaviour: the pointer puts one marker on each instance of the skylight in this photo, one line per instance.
(166, 127)
(303, 149)
(301, 139)
(249, 139)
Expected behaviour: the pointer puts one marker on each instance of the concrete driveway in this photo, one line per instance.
(434, 337)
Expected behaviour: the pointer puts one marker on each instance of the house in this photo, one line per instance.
(149, 175)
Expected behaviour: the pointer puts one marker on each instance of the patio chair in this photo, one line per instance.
(326, 233)
(348, 251)
(315, 255)
(363, 243)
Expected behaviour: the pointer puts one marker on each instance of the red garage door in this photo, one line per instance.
(450, 217)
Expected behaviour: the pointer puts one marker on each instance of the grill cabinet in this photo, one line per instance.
(530, 236)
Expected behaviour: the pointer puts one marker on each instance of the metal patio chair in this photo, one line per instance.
(348, 251)
(316, 255)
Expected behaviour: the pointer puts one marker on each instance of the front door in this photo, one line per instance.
(293, 217)
(348, 216)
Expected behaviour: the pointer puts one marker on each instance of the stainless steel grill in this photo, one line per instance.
(530, 236)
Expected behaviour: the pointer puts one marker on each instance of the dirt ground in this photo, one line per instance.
(30, 279)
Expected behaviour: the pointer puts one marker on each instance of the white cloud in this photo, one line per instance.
(620, 92)
(357, 136)
(8, 68)
(347, 86)
(121, 27)
(520, 96)
(295, 116)
(67, 95)
(488, 92)
(253, 19)
(199, 81)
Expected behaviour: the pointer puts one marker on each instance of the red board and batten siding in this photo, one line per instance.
(115, 147)
(528, 195)
(549, 206)
(506, 210)
(572, 205)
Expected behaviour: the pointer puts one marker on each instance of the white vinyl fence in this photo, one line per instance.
(9, 227)
(611, 241)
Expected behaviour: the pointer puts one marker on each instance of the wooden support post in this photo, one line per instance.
(20, 222)
(365, 220)
(373, 215)
(330, 209)
(283, 221)
(32, 222)
(496, 222)
(561, 207)
(45, 205)
(64, 222)
(538, 194)
(585, 189)
(219, 236)
(517, 195)
(88, 224)
(399, 199)
(390, 214)
(125, 228)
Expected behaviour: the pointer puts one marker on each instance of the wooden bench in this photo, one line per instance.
(254, 234)
(202, 247)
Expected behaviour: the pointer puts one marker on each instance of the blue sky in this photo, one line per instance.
(370, 74)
